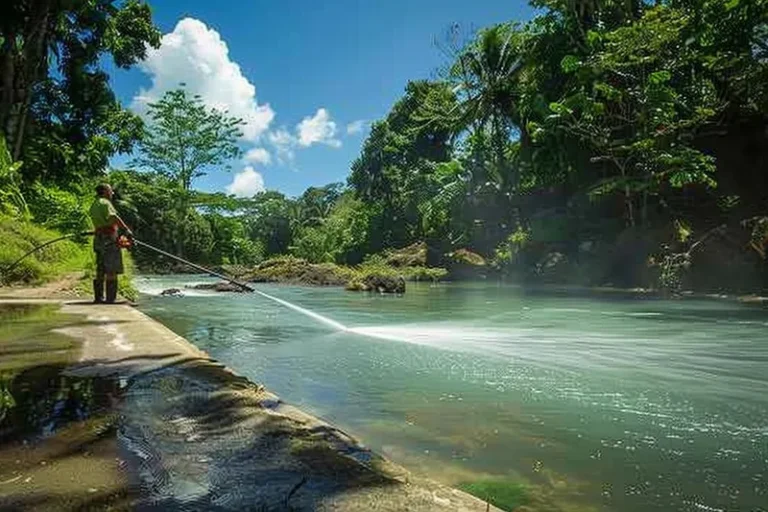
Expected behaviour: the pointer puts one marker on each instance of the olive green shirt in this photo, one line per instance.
(101, 212)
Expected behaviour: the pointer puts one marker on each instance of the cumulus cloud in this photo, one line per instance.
(196, 55)
(257, 156)
(246, 183)
(283, 142)
(356, 127)
(317, 129)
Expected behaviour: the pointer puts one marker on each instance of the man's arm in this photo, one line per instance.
(114, 218)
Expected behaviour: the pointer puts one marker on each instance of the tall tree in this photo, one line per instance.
(398, 158)
(183, 141)
(57, 111)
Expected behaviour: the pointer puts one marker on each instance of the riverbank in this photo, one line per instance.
(186, 431)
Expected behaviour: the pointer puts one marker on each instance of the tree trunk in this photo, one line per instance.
(630, 207)
(24, 63)
(7, 85)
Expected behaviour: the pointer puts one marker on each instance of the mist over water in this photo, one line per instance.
(610, 405)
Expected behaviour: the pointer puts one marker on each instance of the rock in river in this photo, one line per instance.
(221, 286)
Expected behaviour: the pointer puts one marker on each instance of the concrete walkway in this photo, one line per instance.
(195, 436)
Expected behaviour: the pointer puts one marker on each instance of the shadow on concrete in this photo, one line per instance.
(193, 435)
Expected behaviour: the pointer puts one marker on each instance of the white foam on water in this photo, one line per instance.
(446, 336)
(149, 286)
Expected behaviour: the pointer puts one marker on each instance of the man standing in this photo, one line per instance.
(109, 259)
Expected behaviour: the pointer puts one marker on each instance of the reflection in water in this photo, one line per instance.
(619, 405)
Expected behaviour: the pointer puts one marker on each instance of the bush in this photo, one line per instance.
(11, 199)
(59, 209)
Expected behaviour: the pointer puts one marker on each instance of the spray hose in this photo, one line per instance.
(208, 271)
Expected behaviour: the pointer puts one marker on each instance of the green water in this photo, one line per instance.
(596, 404)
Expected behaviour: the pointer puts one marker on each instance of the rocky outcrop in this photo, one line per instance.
(385, 284)
(414, 255)
(380, 283)
(221, 286)
(299, 271)
(465, 264)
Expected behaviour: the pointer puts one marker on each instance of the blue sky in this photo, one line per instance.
(317, 68)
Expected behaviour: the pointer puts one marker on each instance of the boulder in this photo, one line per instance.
(384, 283)
(172, 292)
(554, 267)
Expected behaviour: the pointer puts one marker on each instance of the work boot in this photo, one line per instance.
(111, 291)
(98, 291)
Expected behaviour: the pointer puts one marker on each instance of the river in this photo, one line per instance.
(597, 404)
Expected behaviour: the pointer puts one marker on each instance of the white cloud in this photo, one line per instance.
(356, 127)
(197, 56)
(283, 142)
(317, 129)
(257, 156)
(246, 183)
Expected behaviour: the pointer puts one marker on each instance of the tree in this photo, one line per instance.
(269, 218)
(397, 160)
(340, 237)
(57, 111)
(183, 141)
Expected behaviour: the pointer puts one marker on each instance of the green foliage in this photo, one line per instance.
(185, 138)
(20, 236)
(394, 173)
(59, 209)
(57, 110)
(336, 237)
(509, 251)
(183, 141)
(593, 123)
(12, 200)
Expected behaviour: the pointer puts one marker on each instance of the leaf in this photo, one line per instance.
(660, 77)
(559, 108)
(570, 63)
(732, 4)
(593, 38)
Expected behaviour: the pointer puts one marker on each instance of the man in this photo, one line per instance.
(109, 259)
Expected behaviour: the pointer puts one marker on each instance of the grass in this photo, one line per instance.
(504, 494)
(19, 236)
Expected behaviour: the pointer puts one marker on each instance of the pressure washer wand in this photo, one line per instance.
(193, 265)
(244, 286)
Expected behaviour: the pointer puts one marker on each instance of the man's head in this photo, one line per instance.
(104, 190)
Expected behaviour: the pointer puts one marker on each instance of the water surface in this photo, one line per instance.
(625, 405)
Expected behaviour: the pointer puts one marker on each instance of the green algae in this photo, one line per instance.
(504, 494)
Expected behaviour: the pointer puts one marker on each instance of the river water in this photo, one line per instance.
(597, 404)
